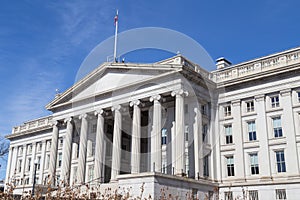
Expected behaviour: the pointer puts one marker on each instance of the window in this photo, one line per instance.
(204, 110)
(230, 166)
(298, 95)
(39, 146)
(275, 101)
(48, 144)
(75, 174)
(228, 134)
(253, 195)
(26, 181)
(204, 133)
(280, 161)
(20, 151)
(250, 106)
(38, 166)
(61, 142)
(254, 163)
(28, 164)
(186, 109)
(228, 196)
(277, 127)
(280, 194)
(29, 148)
(252, 131)
(59, 159)
(205, 167)
(227, 111)
(94, 128)
(164, 136)
(91, 173)
(20, 165)
(47, 161)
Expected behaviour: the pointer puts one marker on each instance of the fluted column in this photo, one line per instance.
(82, 148)
(66, 162)
(8, 171)
(179, 129)
(116, 153)
(156, 134)
(53, 152)
(198, 154)
(99, 151)
(136, 137)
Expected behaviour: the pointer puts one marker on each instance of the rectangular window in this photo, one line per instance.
(91, 173)
(75, 174)
(228, 134)
(280, 194)
(38, 166)
(39, 146)
(48, 143)
(59, 160)
(277, 127)
(61, 142)
(275, 101)
(28, 164)
(20, 151)
(252, 131)
(253, 195)
(29, 149)
(206, 166)
(203, 109)
(298, 95)
(228, 195)
(94, 128)
(280, 161)
(164, 136)
(254, 163)
(227, 111)
(204, 133)
(230, 166)
(20, 165)
(250, 106)
(47, 161)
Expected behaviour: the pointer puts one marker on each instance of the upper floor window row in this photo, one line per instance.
(227, 110)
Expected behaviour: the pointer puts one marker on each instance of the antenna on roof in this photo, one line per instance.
(116, 36)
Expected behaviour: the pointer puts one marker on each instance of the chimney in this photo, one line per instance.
(222, 63)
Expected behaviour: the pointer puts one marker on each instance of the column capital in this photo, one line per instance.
(68, 119)
(135, 102)
(155, 97)
(179, 92)
(116, 107)
(286, 92)
(236, 102)
(99, 112)
(54, 122)
(260, 97)
(83, 116)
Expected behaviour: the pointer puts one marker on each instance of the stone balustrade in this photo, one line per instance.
(32, 125)
(275, 61)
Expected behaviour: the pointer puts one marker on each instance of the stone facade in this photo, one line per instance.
(171, 125)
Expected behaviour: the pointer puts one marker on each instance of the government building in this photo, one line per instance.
(171, 129)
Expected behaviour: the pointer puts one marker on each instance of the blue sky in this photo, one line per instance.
(43, 43)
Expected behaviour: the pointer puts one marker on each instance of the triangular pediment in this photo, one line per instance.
(110, 77)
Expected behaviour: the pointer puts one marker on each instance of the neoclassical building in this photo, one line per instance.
(170, 126)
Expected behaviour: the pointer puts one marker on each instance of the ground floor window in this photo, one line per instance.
(253, 195)
(280, 194)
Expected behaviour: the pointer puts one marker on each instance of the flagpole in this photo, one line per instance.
(116, 36)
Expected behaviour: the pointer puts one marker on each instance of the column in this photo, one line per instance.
(156, 135)
(262, 134)
(67, 148)
(8, 171)
(82, 149)
(136, 137)
(53, 152)
(198, 148)
(116, 149)
(23, 161)
(238, 140)
(289, 132)
(43, 156)
(99, 149)
(179, 130)
(32, 162)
